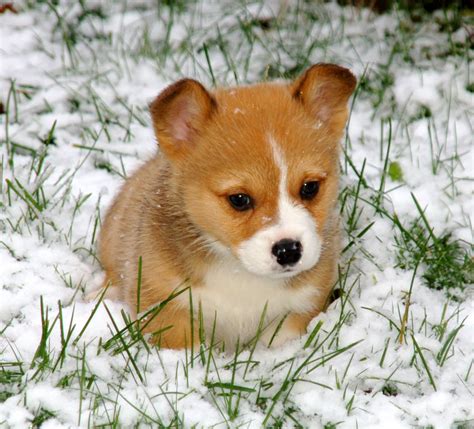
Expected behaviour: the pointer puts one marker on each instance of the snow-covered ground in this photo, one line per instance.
(392, 352)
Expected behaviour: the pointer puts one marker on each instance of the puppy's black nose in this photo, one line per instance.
(287, 252)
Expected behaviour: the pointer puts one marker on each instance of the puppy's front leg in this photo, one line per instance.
(292, 327)
(172, 328)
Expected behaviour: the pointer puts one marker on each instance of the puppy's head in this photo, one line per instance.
(257, 167)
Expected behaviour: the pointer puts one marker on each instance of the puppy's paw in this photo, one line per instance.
(111, 293)
(284, 334)
(92, 296)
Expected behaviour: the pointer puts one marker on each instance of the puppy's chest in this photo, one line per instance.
(237, 300)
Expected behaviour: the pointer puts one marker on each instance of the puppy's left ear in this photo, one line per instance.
(324, 90)
(179, 113)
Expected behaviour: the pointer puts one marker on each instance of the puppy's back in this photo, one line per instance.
(121, 239)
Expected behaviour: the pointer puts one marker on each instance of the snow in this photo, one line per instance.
(50, 260)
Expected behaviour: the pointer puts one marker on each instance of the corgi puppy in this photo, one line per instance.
(238, 211)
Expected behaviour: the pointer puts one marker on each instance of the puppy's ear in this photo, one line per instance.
(178, 115)
(324, 90)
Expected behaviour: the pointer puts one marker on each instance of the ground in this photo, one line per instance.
(395, 350)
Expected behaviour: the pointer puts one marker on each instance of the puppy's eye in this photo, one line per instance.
(309, 190)
(240, 202)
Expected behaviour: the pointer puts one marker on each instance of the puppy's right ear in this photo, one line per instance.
(324, 90)
(178, 115)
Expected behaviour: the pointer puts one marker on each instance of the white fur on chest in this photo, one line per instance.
(237, 299)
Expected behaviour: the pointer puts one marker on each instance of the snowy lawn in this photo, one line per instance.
(395, 350)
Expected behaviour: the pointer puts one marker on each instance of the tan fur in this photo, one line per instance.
(213, 145)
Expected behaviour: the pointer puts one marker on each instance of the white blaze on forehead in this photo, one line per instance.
(293, 222)
(281, 164)
(286, 209)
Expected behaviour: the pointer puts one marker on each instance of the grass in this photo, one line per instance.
(448, 265)
(59, 148)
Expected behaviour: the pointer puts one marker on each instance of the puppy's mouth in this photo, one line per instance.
(276, 271)
(285, 273)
